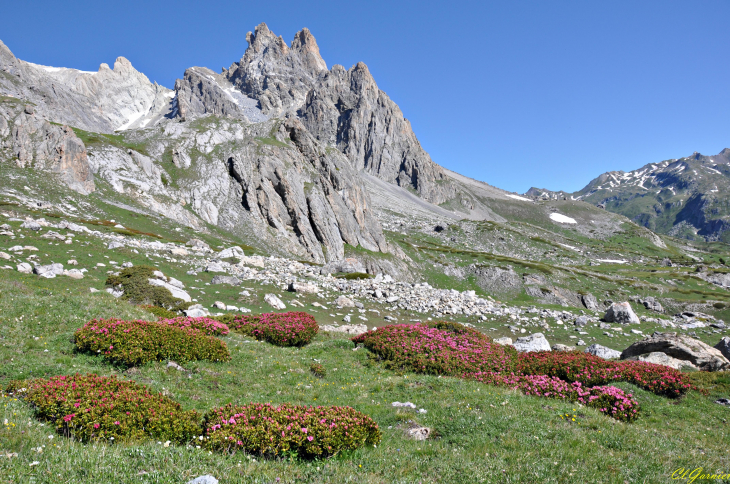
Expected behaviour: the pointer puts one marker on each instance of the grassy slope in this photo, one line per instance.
(485, 434)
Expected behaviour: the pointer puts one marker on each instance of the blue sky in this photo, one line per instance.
(517, 94)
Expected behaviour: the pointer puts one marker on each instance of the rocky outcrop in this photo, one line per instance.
(621, 313)
(681, 347)
(277, 75)
(38, 144)
(102, 101)
(347, 110)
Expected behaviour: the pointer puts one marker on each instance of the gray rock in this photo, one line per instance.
(25, 268)
(652, 304)
(175, 291)
(115, 244)
(663, 359)
(234, 251)
(603, 352)
(115, 292)
(175, 366)
(207, 479)
(504, 341)
(345, 302)
(196, 311)
(418, 433)
(681, 347)
(31, 224)
(215, 267)
(303, 288)
(49, 271)
(723, 401)
(197, 244)
(230, 280)
(581, 321)
(533, 342)
(621, 313)
(346, 266)
(74, 274)
(273, 301)
(354, 329)
(589, 301)
(559, 347)
(724, 347)
(219, 305)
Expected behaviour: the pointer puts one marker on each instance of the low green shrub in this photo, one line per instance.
(318, 370)
(354, 276)
(280, 329)
(160, 312)
(138, 290)
(133, 343)
(304, 431)
(92, 407)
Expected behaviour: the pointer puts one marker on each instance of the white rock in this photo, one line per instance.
(207, 479)
(178, 251)
(72, 262)
(273, 301)
(621, 313)
(533, 342)
(345, 302)
(504, 341)
(74, 274)
(603, 352)
(303, 288)
(25, 268)
(219, 305)
(5, 256)
(114, 292)
(234, 251)
(49, 271)
(114, 244)
(354, 329)
(176, 291)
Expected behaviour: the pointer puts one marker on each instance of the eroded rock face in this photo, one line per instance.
(681, 347)
(37, 143)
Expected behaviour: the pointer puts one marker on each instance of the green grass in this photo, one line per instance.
(483, 434)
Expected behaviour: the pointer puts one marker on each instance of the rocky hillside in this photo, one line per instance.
(685, 197)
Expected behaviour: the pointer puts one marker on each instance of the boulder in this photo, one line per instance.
(345, 302)
(353, 329)
(31, 224)
(504, 341)
(681, 347)
(115, 292)
(50, 271)
(652, 304)
(207, 479)
(231, 280)
(254, 260)
(234, 251)
(724, 347)
(197, 244)
(563, 348)
(114, 244)
(25, 268)
(215, 267)
(175, 291)
(603, 352)
(74, 274)
(621, 313)
(178, 251)
(418, 433)
(273, 301)
(581, 321)
(303, 287)
(219, 305)
(533, 342)
(589, 301)
(5, 256)
(196, 311)
(659, 358)
(345, 266)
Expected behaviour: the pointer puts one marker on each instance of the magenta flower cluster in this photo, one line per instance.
(207, 325)
(269, 430)
(281, 329)
(451, 349)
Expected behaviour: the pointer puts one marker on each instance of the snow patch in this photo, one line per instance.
(613, 261)
(558, 217)
(517, 197)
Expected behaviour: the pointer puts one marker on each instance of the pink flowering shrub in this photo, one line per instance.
(267, 430)
(91, 407)
(208, 326)
(438, 348)
(588, 369)
(280, 329)
(135, 343)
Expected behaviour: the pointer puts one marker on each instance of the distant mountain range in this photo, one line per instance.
(686, 197)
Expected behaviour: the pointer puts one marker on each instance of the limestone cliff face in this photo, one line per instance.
(341, 108)
(35, 143)
(102, 101)
(347, 110)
